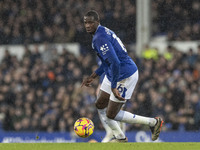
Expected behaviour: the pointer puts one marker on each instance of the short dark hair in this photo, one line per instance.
(93, 13)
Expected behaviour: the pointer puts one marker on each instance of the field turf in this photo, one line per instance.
(100, 146)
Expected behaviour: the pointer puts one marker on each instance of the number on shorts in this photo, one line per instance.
(122, 90)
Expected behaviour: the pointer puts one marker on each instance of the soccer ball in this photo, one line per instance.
(84, 127)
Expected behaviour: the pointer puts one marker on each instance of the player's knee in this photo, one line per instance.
(110, 115)
(98, 105)
(101, 104)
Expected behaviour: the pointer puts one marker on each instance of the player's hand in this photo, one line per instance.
(117, 94)
(87, 82)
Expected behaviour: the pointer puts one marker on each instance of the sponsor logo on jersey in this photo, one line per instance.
(104, 48)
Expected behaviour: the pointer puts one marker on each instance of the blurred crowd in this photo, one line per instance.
(179, 20)
(169, 87)
(40, 93)
(60, 21)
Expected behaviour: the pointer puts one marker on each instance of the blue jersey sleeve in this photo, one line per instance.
(99, 71)
(101, 78)
(109, 56)
(103, 75)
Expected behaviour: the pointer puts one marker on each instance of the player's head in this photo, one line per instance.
(91, 21)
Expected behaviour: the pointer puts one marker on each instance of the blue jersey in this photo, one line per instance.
(103, 75)
(116, 63)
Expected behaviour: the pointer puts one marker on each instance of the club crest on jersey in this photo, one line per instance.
(104, 48)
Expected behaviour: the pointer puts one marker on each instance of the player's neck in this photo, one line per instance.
(96, 30)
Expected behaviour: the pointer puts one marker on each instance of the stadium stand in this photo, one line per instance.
(42, 91)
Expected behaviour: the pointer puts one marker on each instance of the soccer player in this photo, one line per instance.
(121, 76)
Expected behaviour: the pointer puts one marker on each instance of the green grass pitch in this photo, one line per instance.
(100, 146)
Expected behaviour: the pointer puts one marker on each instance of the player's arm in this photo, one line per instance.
(107, 52)
(99, 70)
(87, 81)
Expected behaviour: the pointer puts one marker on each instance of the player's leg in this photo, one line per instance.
(126, 88)
(102, 102)
(115, 113)
(112, 110)
(101, 105)
(109, 133)
(155, 124)
(123, 124)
